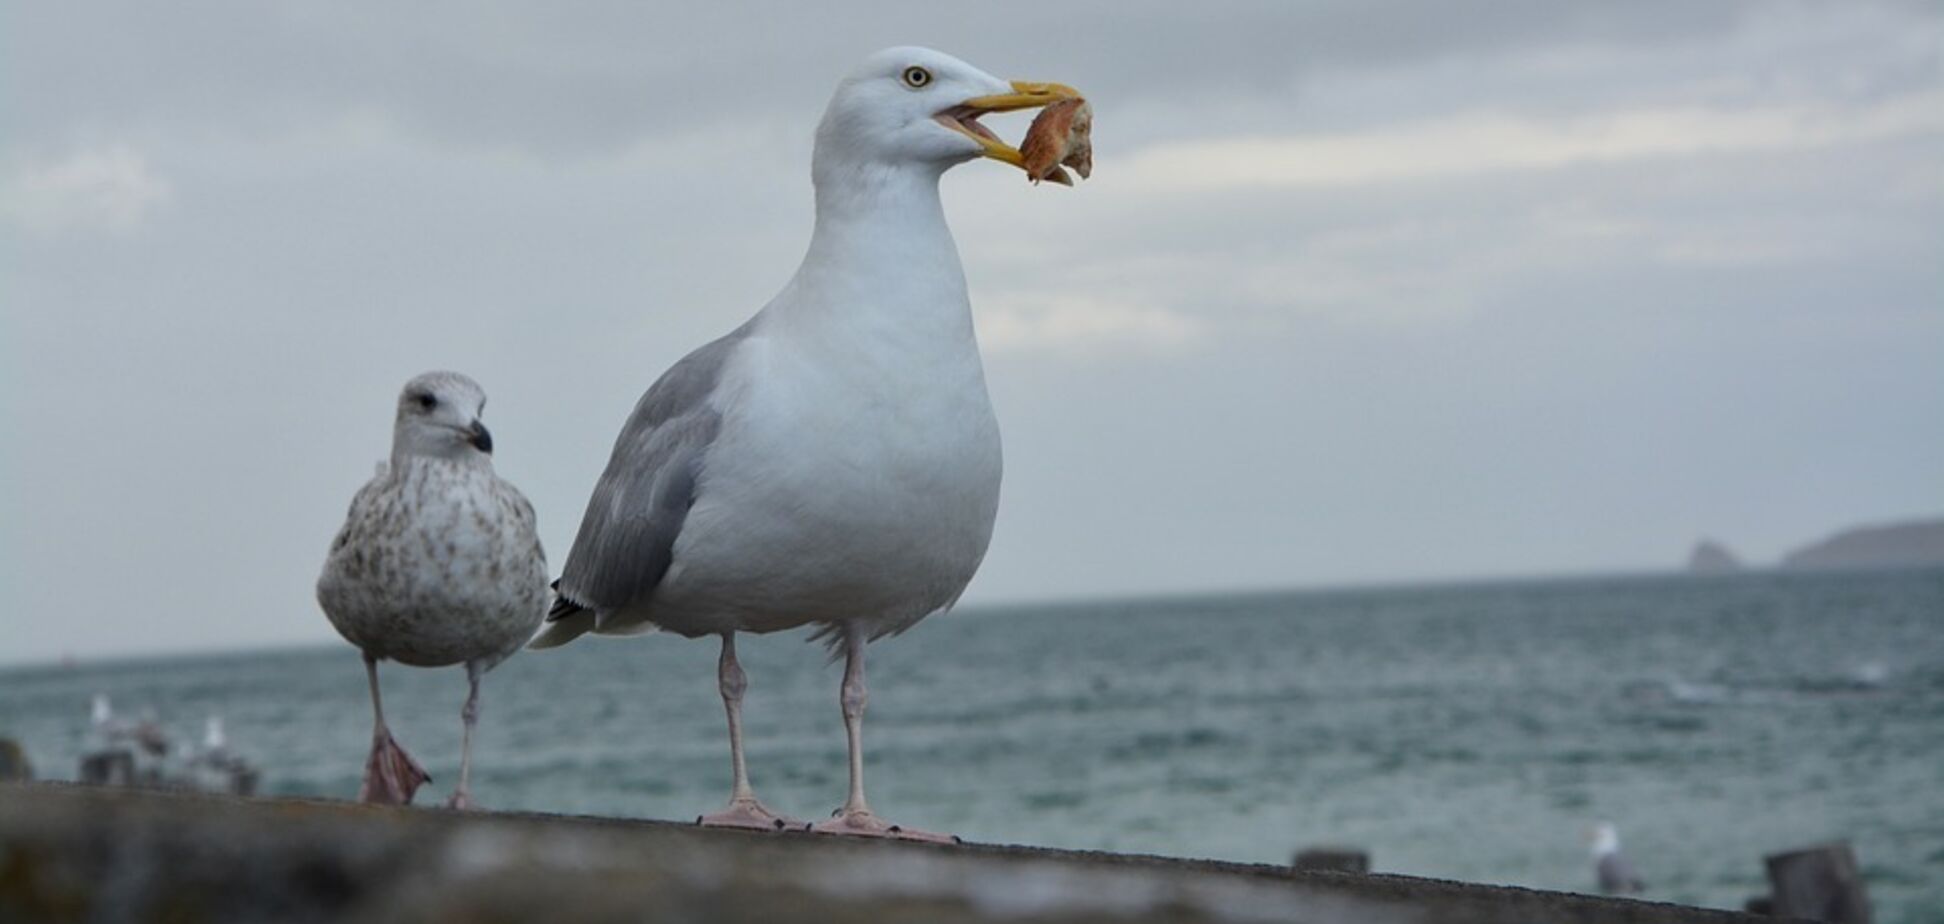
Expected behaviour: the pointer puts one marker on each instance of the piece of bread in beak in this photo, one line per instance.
(1061, 135)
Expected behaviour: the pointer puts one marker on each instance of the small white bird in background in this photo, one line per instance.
(216, 768)
(1615, 874)
(438, 563)
(835, 460)
(103, 727)
(215, 742)
(108, 731)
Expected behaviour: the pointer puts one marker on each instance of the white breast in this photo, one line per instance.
(436, 565)
(856, 473)
(846, 485)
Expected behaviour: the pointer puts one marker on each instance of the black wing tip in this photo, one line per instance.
(563, 606)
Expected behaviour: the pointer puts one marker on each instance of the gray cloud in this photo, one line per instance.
(589, 76)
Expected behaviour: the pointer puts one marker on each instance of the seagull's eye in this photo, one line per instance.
(917, 77)
(425, 400)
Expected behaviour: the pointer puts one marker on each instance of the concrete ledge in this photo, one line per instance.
(73, 853)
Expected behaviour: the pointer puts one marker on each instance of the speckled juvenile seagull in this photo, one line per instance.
(437, 564)
(834, 461)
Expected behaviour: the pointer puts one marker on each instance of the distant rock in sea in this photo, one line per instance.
(1916, 543)
(1711, 557)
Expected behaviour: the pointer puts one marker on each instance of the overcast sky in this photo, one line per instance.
(1361, 291)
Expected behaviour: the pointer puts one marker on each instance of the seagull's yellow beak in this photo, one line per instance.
(964, 117)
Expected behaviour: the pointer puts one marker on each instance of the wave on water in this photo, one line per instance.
(1466, 732)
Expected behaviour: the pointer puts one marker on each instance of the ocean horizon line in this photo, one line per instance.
(1001, 607)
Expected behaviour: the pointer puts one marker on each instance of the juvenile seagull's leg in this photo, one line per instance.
(856, 817)
(743, 811)
(391, 775)
(462, 796)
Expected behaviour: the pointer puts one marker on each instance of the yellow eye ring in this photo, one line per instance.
(917, 77)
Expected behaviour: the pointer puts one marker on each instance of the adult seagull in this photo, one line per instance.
(834, 461)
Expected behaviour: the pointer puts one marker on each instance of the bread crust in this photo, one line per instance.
(1060, 136)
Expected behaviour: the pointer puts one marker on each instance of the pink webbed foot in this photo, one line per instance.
(748, 814)
(867, 824)
(391, 775)
(461, 801)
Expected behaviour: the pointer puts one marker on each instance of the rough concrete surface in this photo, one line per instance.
(75, 853)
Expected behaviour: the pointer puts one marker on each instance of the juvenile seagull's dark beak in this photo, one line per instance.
(964, 117)
(482, 439)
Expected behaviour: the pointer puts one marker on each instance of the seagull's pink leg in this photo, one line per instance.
(856, 818)
(462, 796)
(391, 775)
(743, 811)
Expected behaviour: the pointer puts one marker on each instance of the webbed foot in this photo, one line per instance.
(391, 775)
(748, 814)
(866, 824)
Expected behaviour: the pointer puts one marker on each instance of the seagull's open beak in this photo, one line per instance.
(964, 117)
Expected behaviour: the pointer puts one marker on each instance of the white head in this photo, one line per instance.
(213, 733)
(99, 711)
(438, 417)
(915, 107)
(1605, 838)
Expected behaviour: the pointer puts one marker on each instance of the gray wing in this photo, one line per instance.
(1617, 876)
(627, 536)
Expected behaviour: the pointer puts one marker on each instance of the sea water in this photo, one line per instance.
(1471, 732)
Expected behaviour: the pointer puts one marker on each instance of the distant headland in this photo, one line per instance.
(1911, 543)
(1711, 557)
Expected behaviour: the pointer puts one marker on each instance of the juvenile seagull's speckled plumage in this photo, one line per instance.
(438, 563)
(835, 461)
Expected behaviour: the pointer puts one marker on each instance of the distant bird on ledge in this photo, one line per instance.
(1615, 874)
